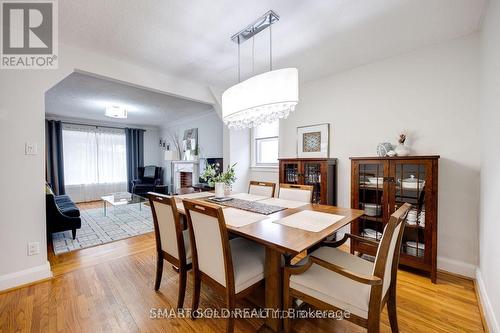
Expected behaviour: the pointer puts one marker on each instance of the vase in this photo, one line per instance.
(402, 150)
(220, 189)
(227, 190)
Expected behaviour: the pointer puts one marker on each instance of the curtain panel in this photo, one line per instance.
(95, 161)
(54, 162)
(135, 153)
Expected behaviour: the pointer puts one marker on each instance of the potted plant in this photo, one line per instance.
(222, 181)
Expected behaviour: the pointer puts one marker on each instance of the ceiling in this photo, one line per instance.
(82, 96)
(190, 39)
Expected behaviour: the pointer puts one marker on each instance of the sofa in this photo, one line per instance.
(61, 212)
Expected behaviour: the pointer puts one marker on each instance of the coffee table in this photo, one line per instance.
(122, 199)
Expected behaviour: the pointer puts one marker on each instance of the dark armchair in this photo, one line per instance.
(149, 178)
(61, 213)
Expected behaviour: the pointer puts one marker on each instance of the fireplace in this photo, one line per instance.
(186, 179)
(184, 174)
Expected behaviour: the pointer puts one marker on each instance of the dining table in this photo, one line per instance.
(278, 239)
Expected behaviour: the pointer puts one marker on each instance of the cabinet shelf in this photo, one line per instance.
(422, 170)
(321, 173)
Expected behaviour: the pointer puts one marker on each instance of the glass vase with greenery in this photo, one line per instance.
(213, 175)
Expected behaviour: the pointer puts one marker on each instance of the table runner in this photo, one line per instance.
(251, 206)
(310, 220)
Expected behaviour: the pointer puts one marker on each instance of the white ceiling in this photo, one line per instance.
(82, 96)
(191, 38)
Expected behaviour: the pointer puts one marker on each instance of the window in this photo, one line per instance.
(265, 145)
(94, 155)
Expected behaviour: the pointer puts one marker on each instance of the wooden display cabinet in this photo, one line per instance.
(380, 186)
(318, 172)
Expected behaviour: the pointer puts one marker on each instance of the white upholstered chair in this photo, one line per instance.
(232, 267)
(294, 192)
(265, 189)
(172, 242)
(337, 280)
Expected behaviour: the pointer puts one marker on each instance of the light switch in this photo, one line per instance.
(33, 248)
(30, 148)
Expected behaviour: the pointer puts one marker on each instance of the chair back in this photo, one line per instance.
(149, 174)
(265, 189)
(387, 259)
(302, 193)
(167, 225)
(209, 241)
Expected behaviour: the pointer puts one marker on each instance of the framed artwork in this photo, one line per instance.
(313, 141)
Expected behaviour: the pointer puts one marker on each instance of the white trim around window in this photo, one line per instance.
(265, 146)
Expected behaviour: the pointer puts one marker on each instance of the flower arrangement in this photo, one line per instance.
(213, 175)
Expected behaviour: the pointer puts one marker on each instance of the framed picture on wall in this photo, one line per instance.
(313, 141)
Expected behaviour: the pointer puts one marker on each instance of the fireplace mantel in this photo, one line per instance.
(178, 167)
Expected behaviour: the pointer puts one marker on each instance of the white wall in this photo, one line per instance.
(22, 207)
(433, 94)
(210, 133)
(488, 275)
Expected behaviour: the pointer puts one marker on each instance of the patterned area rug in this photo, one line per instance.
(120, 222)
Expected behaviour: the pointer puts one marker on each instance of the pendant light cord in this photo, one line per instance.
(253, 55)
(270, 45)
(239, 60)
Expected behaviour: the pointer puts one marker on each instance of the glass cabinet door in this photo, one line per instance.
(291, 172)
(312, 176)
(370, 188)
(410, 185)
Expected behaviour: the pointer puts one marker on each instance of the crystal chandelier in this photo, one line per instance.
(263, 98)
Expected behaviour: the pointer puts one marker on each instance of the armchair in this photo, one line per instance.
(332, 279)
(149, 178)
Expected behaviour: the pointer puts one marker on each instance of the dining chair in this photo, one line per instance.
(231, 267)
(262, 188)
(332, 279)
(295, 192)
(172, 242)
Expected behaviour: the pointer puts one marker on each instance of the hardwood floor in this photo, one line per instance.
(109, 288)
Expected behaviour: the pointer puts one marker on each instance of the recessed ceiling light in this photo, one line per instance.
(115, 111)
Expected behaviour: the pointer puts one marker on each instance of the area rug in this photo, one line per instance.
(120, 222)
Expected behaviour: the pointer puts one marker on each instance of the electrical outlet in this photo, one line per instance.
(30, 148)
(33, 248)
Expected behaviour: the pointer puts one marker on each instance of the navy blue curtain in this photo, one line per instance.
(135, 153)
(54, 163)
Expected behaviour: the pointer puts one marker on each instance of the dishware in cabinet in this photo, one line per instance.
(320, 173)
(388, 183)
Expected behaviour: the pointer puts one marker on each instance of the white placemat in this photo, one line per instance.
(248, 197)
(283, 203)
(239, 218)
(310, 220)
(195, 195)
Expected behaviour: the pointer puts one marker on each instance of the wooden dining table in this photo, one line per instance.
(279, 240)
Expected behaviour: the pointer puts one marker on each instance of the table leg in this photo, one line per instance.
(104, 202)
(274, 289)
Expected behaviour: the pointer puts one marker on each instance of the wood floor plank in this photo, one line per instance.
(109, 288)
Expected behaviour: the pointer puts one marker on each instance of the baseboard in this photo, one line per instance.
(456, 267)
(484, 300)
(26, 276)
